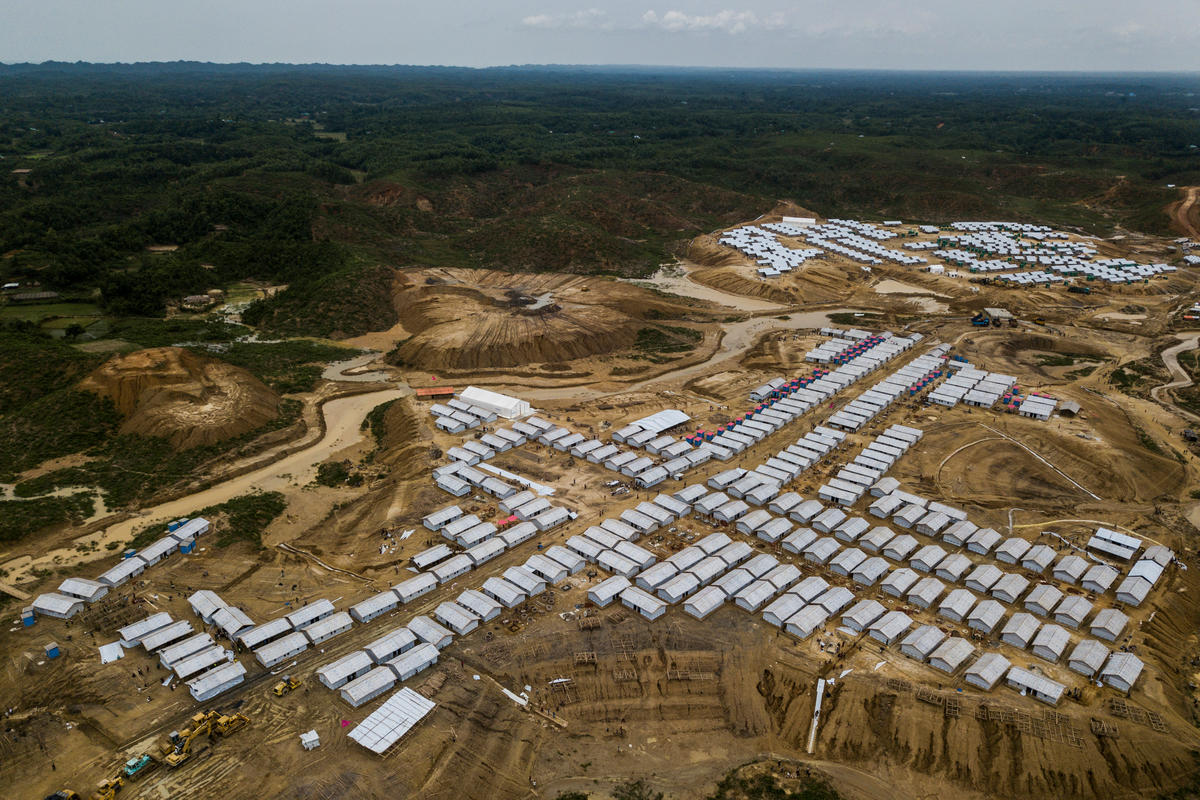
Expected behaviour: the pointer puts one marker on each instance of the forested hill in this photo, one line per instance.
(316, 175)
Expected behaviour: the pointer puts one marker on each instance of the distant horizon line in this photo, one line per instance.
(584, 67)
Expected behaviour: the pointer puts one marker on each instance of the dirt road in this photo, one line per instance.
(343, 418)
(739, 337)
(1170, 356)
(1182, 212)
(674, 279)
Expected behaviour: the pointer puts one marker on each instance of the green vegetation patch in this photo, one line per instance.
(242, 519)
(178, 331)
(57, 424)
(287, 367)
(338, 473)
(1062, 359)
(1136, 377)
(332, 473)
(245, 517)
(33, 365)
(1147, 441)
(376, 421)
(762, 786)
(667, 339)
(128, 468)
(21, 518)
(37, 313)
(344, 302)
(850, 318)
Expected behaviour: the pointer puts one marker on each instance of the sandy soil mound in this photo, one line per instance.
(814, 284)
(706, 251)
(189, 399)
(472, 319)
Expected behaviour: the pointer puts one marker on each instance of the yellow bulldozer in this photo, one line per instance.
(228, 723)
(108, 789)
(207, 723)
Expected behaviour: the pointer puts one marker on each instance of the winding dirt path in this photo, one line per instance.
(739, 337)
(676, 280)
(1188, 341)
(1182, 212)
(343, 419)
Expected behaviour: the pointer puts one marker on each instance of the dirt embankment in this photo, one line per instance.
(892, 733)
(181, 396)
(728, 270)
(733, 282)
(471, 319)
(707, 252)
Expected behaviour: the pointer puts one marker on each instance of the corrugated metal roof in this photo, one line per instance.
(388, 723)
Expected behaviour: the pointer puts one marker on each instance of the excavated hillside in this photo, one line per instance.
(183, 397)
(469, 319)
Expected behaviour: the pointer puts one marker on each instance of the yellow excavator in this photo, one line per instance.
(206, 723)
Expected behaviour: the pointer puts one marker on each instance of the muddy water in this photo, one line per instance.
(343, 418)
(345, 370)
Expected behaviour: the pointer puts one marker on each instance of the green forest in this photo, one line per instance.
(315, 176)
(126, 188)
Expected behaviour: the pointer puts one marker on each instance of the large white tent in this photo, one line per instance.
(501, 404)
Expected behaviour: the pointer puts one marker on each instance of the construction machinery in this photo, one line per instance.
(138, 766)
(207, 723)
(108, 789)
(179, 745)
(286, 685)
(64, 794)
(228, 723)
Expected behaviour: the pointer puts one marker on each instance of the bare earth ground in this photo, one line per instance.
(678, 701)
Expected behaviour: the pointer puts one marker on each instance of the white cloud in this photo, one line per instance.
(726, 21)
(673, 21)
(589, 19)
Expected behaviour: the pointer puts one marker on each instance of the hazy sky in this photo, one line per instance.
(925, 34)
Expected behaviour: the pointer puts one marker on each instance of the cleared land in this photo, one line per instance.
(612, 696)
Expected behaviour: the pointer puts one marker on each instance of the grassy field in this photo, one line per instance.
(37, 313)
